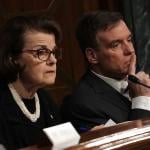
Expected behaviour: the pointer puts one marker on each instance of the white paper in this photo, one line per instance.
(2, 147)
(110, 122)
(62, 136)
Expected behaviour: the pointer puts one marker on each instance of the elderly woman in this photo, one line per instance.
(28, 57)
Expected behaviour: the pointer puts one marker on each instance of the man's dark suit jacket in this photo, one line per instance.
(94, 102)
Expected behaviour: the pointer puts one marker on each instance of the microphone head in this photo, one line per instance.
(133, 79)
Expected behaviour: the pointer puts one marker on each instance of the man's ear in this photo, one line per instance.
(91, 56)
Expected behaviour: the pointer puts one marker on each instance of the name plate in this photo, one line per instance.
(62, 135)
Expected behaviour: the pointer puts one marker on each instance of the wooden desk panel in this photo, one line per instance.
(137, 142)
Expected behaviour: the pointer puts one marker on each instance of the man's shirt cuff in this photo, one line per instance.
(141, 102)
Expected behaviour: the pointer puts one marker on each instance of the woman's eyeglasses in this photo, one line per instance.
(44, 53)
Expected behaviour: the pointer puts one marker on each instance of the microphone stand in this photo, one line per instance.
(134, 79)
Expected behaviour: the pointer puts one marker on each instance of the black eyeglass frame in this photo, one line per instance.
(57, 53)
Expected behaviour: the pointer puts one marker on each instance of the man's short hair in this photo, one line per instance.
(90, 23)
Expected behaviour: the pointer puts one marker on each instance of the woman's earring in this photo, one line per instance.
(18, 76)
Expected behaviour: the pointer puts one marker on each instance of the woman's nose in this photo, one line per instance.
(51, 60)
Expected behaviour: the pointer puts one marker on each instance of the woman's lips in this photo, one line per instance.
(51, 71)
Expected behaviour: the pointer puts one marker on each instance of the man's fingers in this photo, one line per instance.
(97, 127)
(132, 67)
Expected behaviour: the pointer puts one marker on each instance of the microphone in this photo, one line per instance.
(134, 79)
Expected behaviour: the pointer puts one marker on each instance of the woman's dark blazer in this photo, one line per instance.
(16, 130)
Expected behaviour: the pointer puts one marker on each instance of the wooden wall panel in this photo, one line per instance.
(18, 6)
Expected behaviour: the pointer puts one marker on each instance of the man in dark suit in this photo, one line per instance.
(101, 94)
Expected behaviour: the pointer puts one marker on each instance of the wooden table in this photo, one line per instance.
(141, 140)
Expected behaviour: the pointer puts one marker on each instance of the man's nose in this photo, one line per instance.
(128, 48)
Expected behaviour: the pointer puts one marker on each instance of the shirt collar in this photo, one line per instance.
(118, 85)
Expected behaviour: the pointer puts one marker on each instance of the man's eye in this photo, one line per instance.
(130, 39)
(114, 45)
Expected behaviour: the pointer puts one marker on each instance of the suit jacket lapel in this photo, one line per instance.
(113, 96)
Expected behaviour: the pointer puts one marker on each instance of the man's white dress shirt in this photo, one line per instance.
(140, 102)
